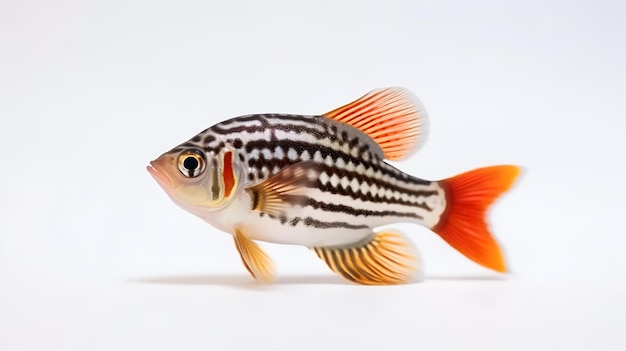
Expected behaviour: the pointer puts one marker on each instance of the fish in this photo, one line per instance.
(325, 182)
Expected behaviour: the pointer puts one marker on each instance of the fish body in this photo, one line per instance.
(323, 182)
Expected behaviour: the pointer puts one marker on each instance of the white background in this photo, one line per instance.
(94, 256)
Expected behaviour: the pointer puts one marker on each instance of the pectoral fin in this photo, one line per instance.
(257, 262)
(285, 189)
(383, 259)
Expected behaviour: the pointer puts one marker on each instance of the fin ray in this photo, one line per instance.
(280, 191)
(386, 258)
(256, 261)
(393, 117)
(463, 224)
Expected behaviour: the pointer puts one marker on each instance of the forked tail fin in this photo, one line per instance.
(463, 224)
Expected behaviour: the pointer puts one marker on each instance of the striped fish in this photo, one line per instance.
(323, 182)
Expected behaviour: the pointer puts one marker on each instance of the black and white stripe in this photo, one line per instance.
(355, 187)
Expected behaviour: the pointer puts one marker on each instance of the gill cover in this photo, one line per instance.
(224, 178)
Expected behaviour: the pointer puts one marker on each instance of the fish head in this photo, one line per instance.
(196, 180)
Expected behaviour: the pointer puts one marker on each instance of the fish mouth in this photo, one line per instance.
(160, 177)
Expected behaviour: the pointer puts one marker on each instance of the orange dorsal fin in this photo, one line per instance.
(393, 117)
(463, 224)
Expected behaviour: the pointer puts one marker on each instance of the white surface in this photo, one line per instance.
(93, 255)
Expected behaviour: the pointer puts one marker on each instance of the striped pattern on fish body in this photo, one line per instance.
(351, 170)
(322, 182)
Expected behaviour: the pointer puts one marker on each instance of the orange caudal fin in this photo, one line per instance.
(463, 224)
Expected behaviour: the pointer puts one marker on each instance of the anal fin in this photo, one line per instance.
(256, 261)
(386, 258)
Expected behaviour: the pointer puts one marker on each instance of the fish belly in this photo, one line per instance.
(328, 220)
(267, 229)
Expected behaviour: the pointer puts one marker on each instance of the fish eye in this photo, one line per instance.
(191, 163)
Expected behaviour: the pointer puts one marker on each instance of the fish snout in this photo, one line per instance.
(158, 170)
